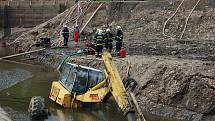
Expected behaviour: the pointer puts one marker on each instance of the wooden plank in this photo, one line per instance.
(16, 62)
(20, 54)
(128, 69)
(91, 17)
(187, 19)
(140, 114)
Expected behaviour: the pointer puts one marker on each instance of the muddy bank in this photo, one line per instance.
(4, 116)
(159, 109)
(12, 77)
(15, 115)
(53, 57)
(187, 49)
(175, 83)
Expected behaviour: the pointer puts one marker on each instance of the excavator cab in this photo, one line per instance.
(79, 79)
(78, 83)
(81, 84)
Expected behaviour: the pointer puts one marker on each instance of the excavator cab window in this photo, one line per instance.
(67, 76)
(95, 77)
(80, 84)
(79, 78)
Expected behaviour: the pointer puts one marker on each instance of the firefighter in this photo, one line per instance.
(119, 39)
(65, 34)
(76, 35)
(108, 40)
(99, 40)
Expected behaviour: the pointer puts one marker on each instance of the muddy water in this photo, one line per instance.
(15, 99)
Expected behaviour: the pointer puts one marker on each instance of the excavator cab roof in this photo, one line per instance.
(77, 78)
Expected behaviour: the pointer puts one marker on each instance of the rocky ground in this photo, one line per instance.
(175, 76)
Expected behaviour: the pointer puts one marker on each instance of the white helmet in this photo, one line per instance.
(97, 31)
(100, 31)
(64, 25)
(107, 30)
(118, 27)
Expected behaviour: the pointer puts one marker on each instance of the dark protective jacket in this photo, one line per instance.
(65, 32)
(108, 38)
(119, 36)
(99, 39)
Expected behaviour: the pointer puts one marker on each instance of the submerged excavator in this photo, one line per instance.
(79, 85)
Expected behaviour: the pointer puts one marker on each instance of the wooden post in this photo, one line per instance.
(54, 2)
(30, 3)
(20, 54)
(66, 2)
(91, 18)
(16, 62)
(140, 114)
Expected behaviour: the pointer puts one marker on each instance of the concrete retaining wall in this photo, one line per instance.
(28, 13)
(27, 16)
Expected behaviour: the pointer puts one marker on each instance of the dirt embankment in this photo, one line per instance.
(187, 85)
(164, 83)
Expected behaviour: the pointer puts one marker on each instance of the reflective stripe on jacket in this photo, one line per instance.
(108, 37)
(99, 39)
(119, 36)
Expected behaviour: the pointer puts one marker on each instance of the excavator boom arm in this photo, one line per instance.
(117, 88)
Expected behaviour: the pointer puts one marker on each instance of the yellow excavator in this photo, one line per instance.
(79, 85)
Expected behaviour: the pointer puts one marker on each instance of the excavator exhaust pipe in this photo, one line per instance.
(131, 116)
